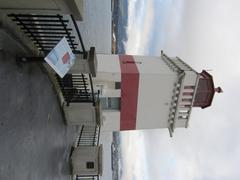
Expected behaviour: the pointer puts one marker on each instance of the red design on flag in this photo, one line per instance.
(66, 58)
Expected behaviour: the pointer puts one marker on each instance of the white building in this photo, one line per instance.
(143, 92)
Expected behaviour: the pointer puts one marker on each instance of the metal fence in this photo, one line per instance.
(76, 88)
(45, 31)
(88, 136)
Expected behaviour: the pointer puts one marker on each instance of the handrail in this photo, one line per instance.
(79, 36)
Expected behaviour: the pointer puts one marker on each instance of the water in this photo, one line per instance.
(96, 25)
(120, 21)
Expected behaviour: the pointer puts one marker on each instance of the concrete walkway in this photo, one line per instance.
(34, 141)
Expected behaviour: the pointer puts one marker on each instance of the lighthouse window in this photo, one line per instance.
(90, 165)
(110, 103)
(117, 85)
(188, 87)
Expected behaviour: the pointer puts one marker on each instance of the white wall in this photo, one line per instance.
(111, 121)
(108, 68)
(155, 92)
(107, 89)
(152, 65)
(154, 100)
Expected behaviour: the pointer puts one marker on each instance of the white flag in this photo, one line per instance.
(61, 58)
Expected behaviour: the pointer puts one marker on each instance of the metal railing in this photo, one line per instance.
(47, 30)
(88, 136)
(76, 88)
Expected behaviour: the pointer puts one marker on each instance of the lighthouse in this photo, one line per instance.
(145, 92)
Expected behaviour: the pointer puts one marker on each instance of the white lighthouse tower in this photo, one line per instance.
(143, 92)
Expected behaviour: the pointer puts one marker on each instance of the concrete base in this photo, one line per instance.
(87, 66)
(80, 114)
(87, 154)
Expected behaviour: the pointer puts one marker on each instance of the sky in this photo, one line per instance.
(206, 35)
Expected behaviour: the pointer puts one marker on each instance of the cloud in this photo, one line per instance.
(140, 22)
(205, 34)
(134, 156)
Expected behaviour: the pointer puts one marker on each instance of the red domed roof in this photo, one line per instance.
(205, 90)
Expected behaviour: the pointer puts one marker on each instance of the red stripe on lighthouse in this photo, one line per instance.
(129, 92)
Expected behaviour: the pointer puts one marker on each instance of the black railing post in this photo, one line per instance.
(80, 135)
(92, 90)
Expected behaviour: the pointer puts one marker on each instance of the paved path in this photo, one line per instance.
(34, 142)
